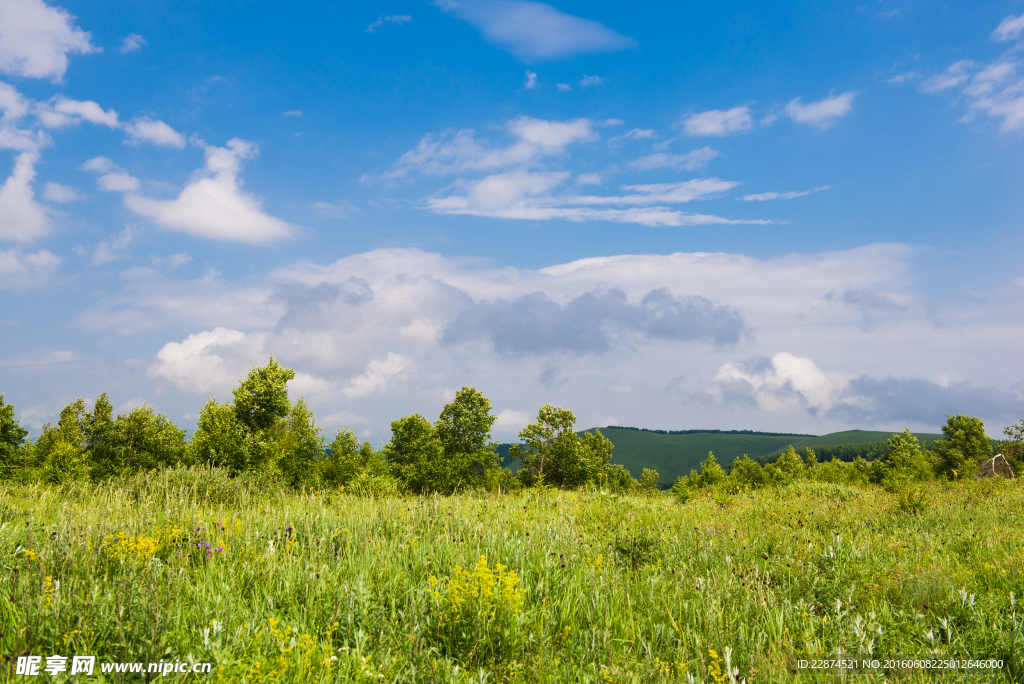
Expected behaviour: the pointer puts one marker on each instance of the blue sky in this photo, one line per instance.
(667, 215)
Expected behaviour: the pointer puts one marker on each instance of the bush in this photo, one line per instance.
(748, 472)
(965, 446)
(65, 463)
(649, 481)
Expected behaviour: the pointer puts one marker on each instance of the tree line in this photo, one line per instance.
(261, 431)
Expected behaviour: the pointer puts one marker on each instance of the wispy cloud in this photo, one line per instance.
(823, 113)
(591, 81)
(533, 31)
(155, 132)
(766, 196)
(718, 122)
(1009, 28)
(695, 159)
(531, 80)
(396, 19)
(292, 113)
(996, 88)
(55, 192)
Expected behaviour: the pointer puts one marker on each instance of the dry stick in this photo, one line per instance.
(991, 463)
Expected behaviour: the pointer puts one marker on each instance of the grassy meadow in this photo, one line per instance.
(537, 586)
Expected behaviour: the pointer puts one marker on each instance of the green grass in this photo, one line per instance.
(675, 455)
(319, 587)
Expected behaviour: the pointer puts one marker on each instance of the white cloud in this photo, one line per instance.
(213, 205)
(533, 31)
(293, 113)
(588, 179)
(765, 196)
(718, 122)
(378, 375)
(695, 159)
(24, 271)
(510, 422)
(516, 191)
(822, 113)
(98, 165)
(131, 43)
(530, 195)
(209, 361)
(1009, 28)
(156, 132)
(590, 80)
(787, 381)
(36, 39)
(460, 151)
(118, 181)
(55, 192)
(61, 112)
(994, 89)
(21, 218)
(531, 80)
(563, 87)
(396, 19)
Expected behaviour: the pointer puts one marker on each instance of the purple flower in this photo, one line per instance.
(563, 565)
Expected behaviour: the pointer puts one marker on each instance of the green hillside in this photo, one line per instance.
(673, 455)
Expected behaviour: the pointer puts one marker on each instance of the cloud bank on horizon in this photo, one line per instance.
(607, 235)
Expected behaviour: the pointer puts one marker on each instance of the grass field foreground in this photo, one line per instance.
(543, 586)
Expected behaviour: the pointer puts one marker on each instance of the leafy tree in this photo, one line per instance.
(964, 447)
(65, 462)
(220, 438)
(552, 452)
(415, 453)
(748, 472)
(464, 430)
(98, 426)
(302, 446)
(346, 460)
(711, 473)
(64, 445)
(790, 466)
(12, 436)
(143, 439)
(905, 461)
(617, 478)
(261, 400)
(649, 481)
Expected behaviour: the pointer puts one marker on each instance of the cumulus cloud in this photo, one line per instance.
(718, 122)
(823, 113)
(36, 39)
(61, 112)
(133, 42)
(510, 422)
(208, 361)
(378, 375)
(22, 219)
(691, 161)
(787, 381)
(535, 324)
(766, 196)
(213, 204)
(534, 31)
(591, 81)
(155, 132)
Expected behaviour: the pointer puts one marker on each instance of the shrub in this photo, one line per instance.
(65, 463)
(965, 446)
(748, 472)
(415, 454)
(649, 481)
(711, 473)
(681, 489)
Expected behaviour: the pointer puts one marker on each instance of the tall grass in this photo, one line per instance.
(317, 586)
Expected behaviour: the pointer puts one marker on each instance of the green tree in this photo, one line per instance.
(552, 453)
(904, 462)
(98, 426)
(143, 439)
(1013, 447)
(346, 459)
(261, 400)
(788, 468)
(711, 473)
(748, 472)
(649, 481)
(219, 439)
(65, 462)
(415, 454)
(301, 447)
(63, 445)
(12, 438)
(964, 447)
(464, 430)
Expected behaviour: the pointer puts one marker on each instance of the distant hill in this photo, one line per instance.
(675, 452)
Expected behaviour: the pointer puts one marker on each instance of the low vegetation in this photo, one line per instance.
(256, 545)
